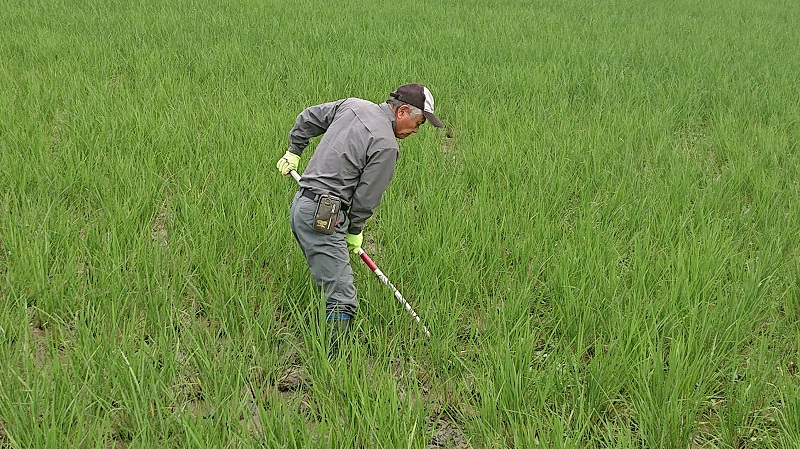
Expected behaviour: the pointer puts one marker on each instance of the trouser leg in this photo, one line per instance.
(338, 329)
(327, 257)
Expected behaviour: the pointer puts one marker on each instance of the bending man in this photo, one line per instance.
(344, 182)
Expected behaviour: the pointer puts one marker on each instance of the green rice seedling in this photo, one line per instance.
(602, 240)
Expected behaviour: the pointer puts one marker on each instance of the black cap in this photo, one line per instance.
(420, 97)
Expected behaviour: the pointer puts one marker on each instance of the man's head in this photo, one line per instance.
(412, 105)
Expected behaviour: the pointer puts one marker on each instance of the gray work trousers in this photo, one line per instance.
(327, 257)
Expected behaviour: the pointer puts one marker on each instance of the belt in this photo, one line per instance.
(315, 197)
(309, 194)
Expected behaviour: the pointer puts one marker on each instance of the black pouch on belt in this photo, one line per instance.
(327, 214)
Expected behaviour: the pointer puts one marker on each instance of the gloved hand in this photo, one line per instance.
(354, 242)
(287, 163)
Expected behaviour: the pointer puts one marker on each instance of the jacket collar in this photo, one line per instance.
(389, 113)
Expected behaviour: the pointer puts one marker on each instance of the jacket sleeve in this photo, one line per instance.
(374, 180)
(312, 122)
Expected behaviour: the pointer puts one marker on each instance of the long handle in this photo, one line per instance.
(397, 294)
(372, 266)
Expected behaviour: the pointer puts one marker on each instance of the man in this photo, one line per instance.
(344, 182)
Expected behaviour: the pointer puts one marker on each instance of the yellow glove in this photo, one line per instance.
(287, 163)
(354, 242)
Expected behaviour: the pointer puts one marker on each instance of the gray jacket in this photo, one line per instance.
(356, 157)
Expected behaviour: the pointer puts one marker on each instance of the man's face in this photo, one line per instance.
(406, 125)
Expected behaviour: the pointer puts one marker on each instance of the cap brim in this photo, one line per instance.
(433, 119)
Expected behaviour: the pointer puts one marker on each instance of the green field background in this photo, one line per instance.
(603, 240)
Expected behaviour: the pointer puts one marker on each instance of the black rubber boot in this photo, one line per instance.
(339, 329)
